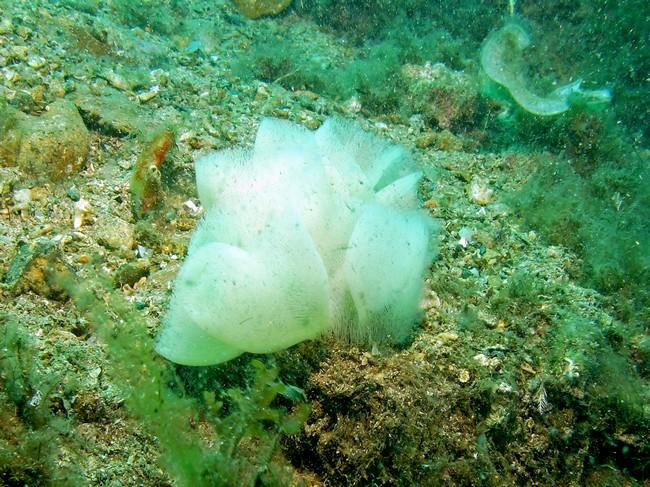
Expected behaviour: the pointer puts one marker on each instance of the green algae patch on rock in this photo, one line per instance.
(503, 61)
(10, 135)
(54, 145)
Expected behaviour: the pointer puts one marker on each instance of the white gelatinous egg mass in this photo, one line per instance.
(306, 233)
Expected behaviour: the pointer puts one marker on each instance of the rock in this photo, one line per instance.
(131, 272)
(111, 112)
(55, 144)
(444, 97)
(257, 8)
(480, 192)
(10, 135)
(114, 233)
(32, 267)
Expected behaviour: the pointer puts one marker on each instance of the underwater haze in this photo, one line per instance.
(324, 242)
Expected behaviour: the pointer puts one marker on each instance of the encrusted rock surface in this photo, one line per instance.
(55, 144)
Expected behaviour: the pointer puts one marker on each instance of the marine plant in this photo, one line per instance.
(160, 16)
(243, 445)
(603, 215)
(31, 436)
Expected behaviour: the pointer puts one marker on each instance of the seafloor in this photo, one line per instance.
(518, 375)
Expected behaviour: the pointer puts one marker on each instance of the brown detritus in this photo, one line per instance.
(146, 181)
(85, 40)
(380, 419)
(443, 140)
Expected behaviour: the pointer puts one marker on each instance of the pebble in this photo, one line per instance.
(81, 211)
(149, 95)
(36, 62)
(481, 193)
(6, 26)
(114, 233)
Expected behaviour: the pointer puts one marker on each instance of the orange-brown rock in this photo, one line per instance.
(257, 8)
(55, 144)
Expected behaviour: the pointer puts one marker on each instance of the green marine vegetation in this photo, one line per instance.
(374, 78)
(31, 434)
(592, 368)
(159, 16)
(247, 423)
(593, 198)
(243, 423)
(372, 19)
(600, 208)
(373, 75)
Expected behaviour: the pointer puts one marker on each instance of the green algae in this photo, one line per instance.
(154, 395)
(602, 214)
(32, 436)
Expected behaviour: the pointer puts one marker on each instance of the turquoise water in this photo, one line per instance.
(523, 128)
